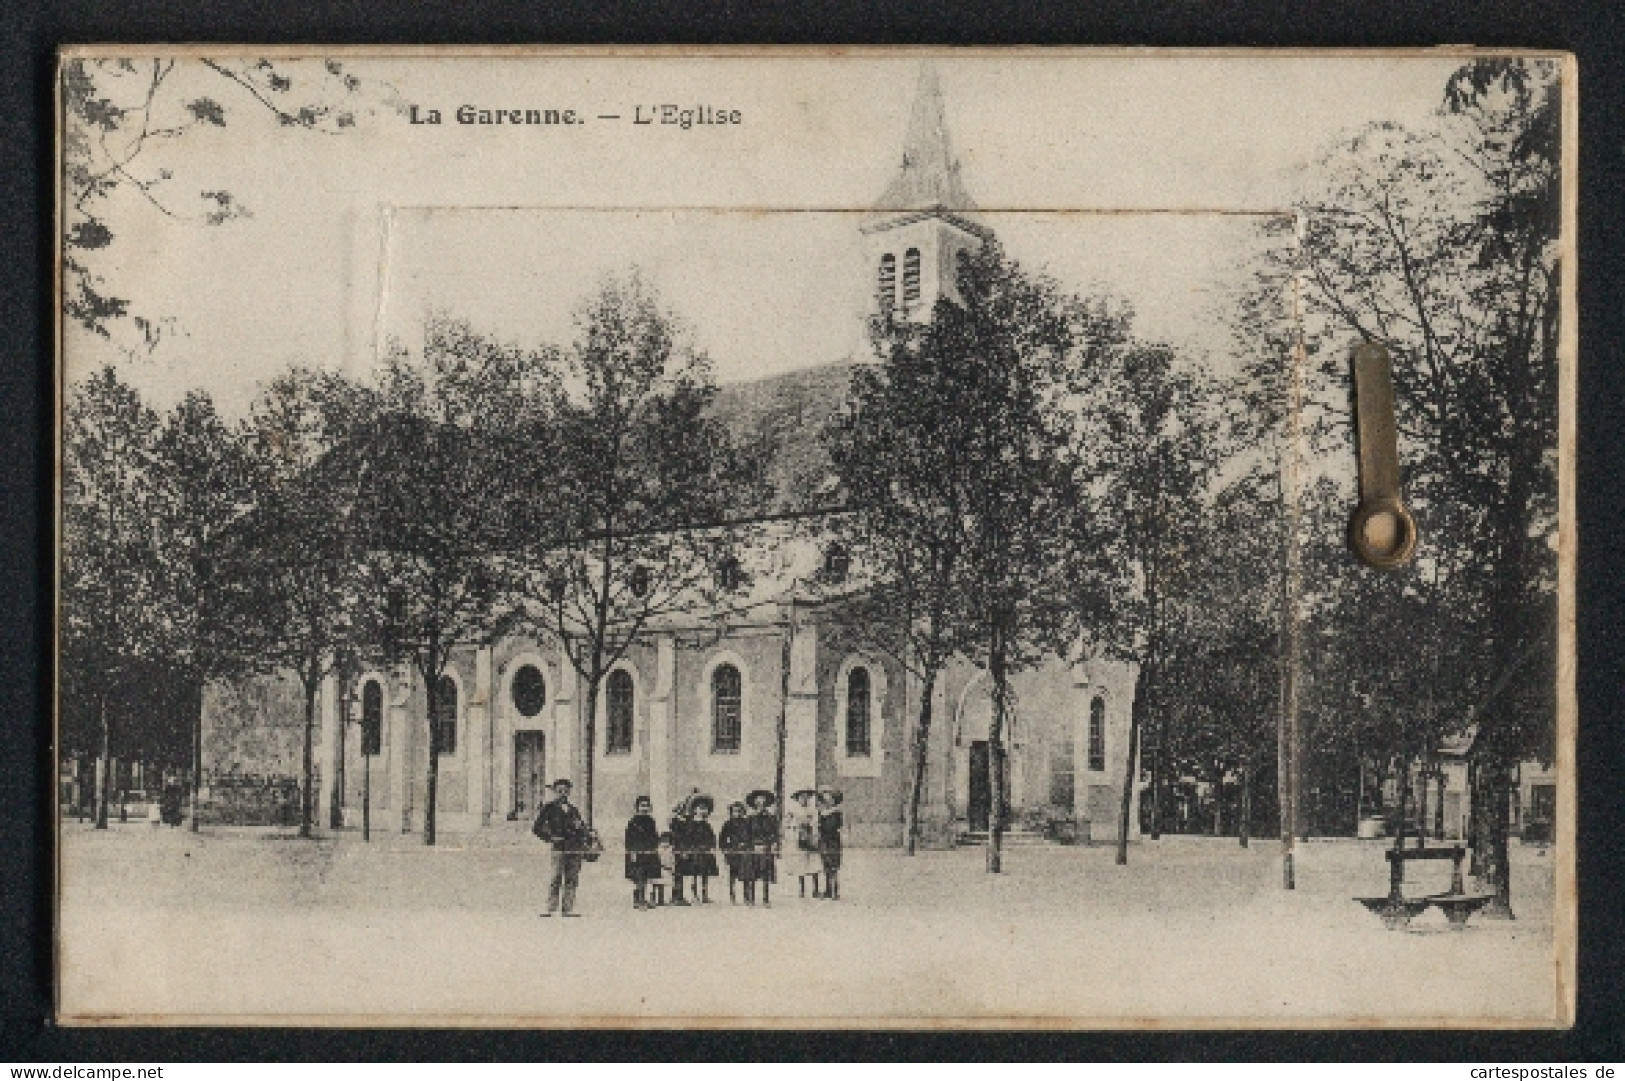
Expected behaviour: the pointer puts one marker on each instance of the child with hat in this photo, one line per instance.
(763, 830)
(830, 821)
(702, 848)
(800, 844)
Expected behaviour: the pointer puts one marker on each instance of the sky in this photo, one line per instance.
(750, 231)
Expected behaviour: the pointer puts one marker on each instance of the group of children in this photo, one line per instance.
(753, 841)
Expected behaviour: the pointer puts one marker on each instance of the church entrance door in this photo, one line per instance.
(980, 806)
(527, 772)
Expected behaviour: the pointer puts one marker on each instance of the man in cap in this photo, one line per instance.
(562, 826)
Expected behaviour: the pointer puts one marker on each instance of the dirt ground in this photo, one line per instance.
(234, 926)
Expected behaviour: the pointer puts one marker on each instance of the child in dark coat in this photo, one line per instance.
(762, 863)
(735, 842)
(681, 839)
(830, 821)
(702, 849)
(642, 851)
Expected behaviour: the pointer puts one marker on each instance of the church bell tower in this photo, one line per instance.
(922, 223)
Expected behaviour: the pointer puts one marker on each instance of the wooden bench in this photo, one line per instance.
(1397, 910)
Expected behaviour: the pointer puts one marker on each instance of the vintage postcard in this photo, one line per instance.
(850, 538)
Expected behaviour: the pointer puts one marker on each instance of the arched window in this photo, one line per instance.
(446, 707)
(372, 717)
(911, 278)
(727, 704)
(529, 691)
(886, 290)
(1097, 735)
(618, 700)
(857, 713)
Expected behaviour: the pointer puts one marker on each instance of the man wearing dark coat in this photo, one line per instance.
(561, 825)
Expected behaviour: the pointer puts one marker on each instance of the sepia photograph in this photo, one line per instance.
(825, 539)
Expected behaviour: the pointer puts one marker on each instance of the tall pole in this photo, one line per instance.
(1289, 764)
(784, 699)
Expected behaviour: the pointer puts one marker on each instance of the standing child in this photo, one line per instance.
(763, 830)
(735, 842)
(800, 844)
(702, 848)
(680, 842)
(642, 851)
(830, 821)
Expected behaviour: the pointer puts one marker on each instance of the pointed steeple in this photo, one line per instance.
(929, 178)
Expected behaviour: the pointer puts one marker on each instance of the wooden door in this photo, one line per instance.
(981, 788)
(527, 772)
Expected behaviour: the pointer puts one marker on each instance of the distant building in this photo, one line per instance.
(697, 704)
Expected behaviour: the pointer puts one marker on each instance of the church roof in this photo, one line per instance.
(929, 178)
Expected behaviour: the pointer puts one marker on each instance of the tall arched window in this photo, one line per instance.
(529, 691)
(857, 712)
(886, 288)
(446, 707)
(727, 727)
(618, 702)
(911, 278)
(372, 717)
(1097, 735)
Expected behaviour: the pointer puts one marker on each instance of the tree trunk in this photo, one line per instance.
(431, 794)
(1218, 802)
(922, 742)
(1125, 805)
(197, 762)
(307, 798)
(995, 755)
(104, 796)
(1244, 828)
(589, 744)
(1497, 856)
(1156, 791)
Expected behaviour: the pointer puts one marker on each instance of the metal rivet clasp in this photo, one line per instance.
(1383, 532)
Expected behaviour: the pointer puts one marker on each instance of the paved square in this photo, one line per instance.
(247, 924)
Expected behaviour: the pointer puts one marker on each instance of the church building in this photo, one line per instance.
(700, 704)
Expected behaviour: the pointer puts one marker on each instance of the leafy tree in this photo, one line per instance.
(205, 476)
(446, 460)
(289, 567)
(1444, 245)
(1221, 666)
(1156, 452)
(645, 482)
(112, 625)
(121, 113)
(999, 364)
(899, 467)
